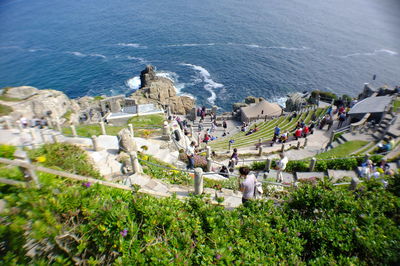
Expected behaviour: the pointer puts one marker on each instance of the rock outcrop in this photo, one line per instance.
(126, 142)
(161, 91)
(38, 103)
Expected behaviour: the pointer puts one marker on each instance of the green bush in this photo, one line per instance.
(316, 224)
(7, 151)
(67, 157)
(297, 166)
(342, 164)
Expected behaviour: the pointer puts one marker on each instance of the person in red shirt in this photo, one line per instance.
(297, 133)
(306, 131)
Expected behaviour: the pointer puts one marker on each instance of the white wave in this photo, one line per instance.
(98, 55)
(190, 44)
(142, 60)
(253, 46)
(289, 48)
(376, 52)
(133, 45)
(174, 77)
(281, 101)
(210, 84)
(133, 83)
(77, 54)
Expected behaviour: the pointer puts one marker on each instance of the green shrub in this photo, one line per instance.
(67, 157)
(316, 224)
(297, 166)
(342, 164)
(7, 151)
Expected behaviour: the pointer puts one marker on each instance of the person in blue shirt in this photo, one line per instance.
(277, 131)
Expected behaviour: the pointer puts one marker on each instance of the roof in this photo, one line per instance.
(371, 105)
(262, 108)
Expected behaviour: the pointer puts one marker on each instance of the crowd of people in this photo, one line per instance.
(34, 122)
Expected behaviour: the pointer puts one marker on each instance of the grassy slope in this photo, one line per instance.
(342, 150)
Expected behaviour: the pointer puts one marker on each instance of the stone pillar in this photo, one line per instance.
(58, 125)
(208, 151)
(268, 164)
(50, 123)
(260, 150)
(32, 132)
(95, 143)
(259, 141)
(166, 134)
(209, 164)
(283, 147)
(312, 164)
(8, 123)
(42, 136)
(230, 147)
(298, 145)
(305, 142)
(198, 181)
(54, 137)
(103, 128)
(354, 183)
(136, 167)
(20, 127)
(73, 129)
(131, 130)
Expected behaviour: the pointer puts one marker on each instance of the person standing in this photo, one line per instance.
(235, 156)
(247, 185)
(190, 152)
(281, 166)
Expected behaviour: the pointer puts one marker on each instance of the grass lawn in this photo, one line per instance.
(147, 121)
(90, 130)
(343, 150)
(5, 110)
(396, 105)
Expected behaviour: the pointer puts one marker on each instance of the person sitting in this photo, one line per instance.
(298, 133)
(384, 147)
(284, 137)
(224, 171)
(206, 138)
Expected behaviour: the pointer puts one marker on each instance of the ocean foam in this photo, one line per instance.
(133, 45)
(133, 83)
(281, 101)
(98, 55)
(205, 77)
(79, 54)
(174, 77)
(376, 52)
(141, 60)
(190, 44)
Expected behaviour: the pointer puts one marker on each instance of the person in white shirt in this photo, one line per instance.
(281, 166)
(190, 151)
(248, 185)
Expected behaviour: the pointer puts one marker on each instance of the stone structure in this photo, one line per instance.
(161, 91)
(39, 103)
(295, 101)
(126, 142)
(260, 110)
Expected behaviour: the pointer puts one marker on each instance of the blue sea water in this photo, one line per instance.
(217, 51)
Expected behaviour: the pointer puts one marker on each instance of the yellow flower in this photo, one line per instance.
(41, 159)
(145, 157)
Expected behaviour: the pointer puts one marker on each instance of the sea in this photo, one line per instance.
(218, 52)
